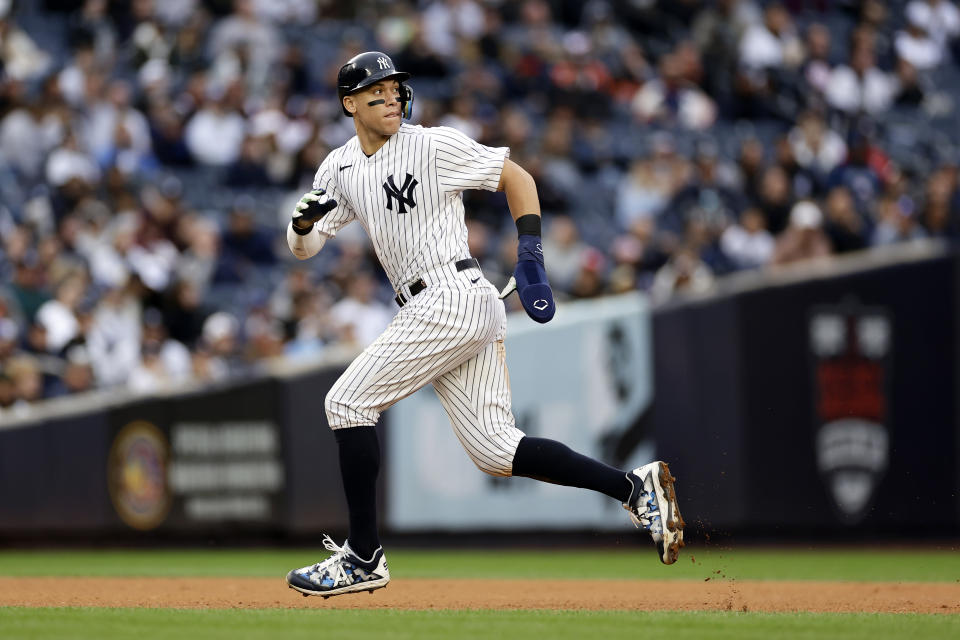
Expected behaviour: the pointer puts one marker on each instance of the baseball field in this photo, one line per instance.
(610, 593)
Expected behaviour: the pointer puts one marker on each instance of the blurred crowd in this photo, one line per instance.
(151, 152)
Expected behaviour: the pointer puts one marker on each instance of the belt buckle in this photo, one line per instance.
(405, 294)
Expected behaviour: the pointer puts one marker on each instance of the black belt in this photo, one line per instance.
(419, 285)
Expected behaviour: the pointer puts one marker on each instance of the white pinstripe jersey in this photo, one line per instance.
(408, 195)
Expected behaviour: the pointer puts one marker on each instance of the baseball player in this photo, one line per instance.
(404, 184)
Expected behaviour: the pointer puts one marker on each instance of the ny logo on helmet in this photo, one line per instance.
(403, 195)
(383, 62)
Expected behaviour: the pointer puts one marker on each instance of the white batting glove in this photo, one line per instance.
(510, 287)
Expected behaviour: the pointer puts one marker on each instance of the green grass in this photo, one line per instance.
(148, 624)
(757, 564)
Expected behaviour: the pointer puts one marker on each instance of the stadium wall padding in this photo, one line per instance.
(825, 404)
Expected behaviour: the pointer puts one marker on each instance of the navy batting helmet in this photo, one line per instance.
(368, 68)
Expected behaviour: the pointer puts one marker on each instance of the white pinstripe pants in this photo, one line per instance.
(450, 334)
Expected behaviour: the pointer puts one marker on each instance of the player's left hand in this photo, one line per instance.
(310, 208)
(529, 280)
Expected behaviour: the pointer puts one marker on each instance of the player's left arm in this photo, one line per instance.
(530, 276)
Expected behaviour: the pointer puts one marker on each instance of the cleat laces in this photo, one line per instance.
(338, 575)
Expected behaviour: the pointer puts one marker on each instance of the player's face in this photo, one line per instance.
(378, 107)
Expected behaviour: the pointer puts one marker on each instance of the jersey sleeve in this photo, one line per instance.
(463, 163)
(343, 213)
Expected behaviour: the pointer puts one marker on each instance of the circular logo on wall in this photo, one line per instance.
(137, 475)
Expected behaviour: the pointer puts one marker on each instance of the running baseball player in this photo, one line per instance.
(404, 184)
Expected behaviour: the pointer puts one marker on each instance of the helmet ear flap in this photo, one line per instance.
(406, 100)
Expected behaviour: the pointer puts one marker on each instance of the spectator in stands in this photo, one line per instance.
(685, 272)
(818, 66)
(8, 394)
(360, 317)
(308, 325)
(844, 225)
(152, 257)
(651, 183)
(706, 196)
(915, 45)
(69, 168)
(183, 312)
(176, 12)
(77, 374)
(174, 357)
(447, 23)
(911, 90)
(249, 170)
(59, 315)
(245, 245)
(243, 44)
(804, 239)
(770, 54)
(27, 380)
(560, 172)
(23, 143)
(28, 287)
(20, 57)
(862, 172)
(804, 183)
(815, 146)
(117, 134)
(716, 32)
(590, 280)
(671, 100)
(113, 339)
(861, 87)
(772, 43)
(581, 80)
(897, 221)
(215, 133)
(566, 250)
(149, 374)
(221, 340)
(264, 336)
(938, 18)
(747, 243)
(751, 163)
(775, 198)
(303, 12)
(940, 211)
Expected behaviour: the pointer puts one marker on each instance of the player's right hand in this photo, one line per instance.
(530, 282)
(311, 207)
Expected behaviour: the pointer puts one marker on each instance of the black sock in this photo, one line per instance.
(359, 466)
(554, 462)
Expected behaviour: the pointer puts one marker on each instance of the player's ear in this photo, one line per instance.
(350, 104)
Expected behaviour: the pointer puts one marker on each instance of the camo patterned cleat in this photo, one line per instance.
(342, 572)
(653, 507)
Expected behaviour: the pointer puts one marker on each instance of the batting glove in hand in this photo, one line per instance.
(529, 280)
(311, 208)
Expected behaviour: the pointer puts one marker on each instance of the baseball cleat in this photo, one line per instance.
(653, 507)
(342, 572)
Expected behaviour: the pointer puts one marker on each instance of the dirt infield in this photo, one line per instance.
(420, 594)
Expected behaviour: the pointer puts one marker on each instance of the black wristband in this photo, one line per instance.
(301, 232)
(528, 225)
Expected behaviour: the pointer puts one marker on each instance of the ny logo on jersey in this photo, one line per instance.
(383, 62)
(403, 195)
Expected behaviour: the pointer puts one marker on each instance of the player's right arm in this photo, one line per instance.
(530, 276)
(318, 215)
